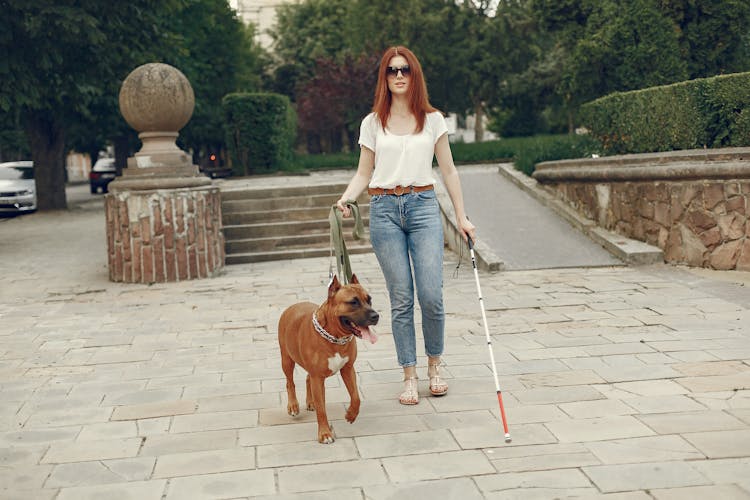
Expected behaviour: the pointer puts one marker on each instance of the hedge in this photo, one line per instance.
(706, 112)
(524, 152)
(260, 132)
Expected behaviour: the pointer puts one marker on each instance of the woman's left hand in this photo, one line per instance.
(468, 229)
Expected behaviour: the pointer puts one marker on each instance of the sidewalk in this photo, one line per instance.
(619, 382)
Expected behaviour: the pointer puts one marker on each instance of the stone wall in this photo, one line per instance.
(696, 221)
(164, 235)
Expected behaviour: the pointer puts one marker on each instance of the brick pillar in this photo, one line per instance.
(164, 235)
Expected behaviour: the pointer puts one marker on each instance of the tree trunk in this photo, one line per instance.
(336, 143)
(571, 123)
(47, 141)
(313, 143)
(352, 140)
(478, 122)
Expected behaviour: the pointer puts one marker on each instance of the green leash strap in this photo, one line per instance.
(338, 246)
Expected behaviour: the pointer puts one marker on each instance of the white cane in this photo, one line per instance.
(489, 342)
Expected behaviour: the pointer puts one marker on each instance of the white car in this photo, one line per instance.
(17, 187)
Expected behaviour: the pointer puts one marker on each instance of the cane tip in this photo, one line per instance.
(507, 438)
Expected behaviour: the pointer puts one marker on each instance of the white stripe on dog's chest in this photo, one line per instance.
(336, 362)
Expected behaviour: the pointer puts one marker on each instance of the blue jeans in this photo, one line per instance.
(406, 232)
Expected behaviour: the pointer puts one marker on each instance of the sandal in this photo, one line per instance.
(437, 386)
(410, 396)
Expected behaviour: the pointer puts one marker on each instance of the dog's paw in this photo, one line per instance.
(351, 415)
(310, 407)
(292, 410)
(326, 437)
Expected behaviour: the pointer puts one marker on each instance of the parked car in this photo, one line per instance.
(17, 187)
(102, 174)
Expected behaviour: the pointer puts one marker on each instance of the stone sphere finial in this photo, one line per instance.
(157, 100)
(156, 97)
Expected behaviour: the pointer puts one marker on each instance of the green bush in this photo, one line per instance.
(326, 161)
(532, 150)
(260, 132)
(706, 112)
(479, 152)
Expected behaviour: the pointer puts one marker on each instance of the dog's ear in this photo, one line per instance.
(354, 281)
(333, 287)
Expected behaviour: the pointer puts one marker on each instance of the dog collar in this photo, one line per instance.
(330, 338)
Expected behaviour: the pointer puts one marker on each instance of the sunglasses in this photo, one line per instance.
(393, 70)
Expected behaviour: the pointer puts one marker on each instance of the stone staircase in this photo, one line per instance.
(284, 222)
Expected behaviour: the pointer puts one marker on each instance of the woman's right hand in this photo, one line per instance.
(341, 204)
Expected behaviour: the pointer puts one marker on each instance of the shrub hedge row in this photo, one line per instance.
(260, 132)
(706, 112)
(524, 152)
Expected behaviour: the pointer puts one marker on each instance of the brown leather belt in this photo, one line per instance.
(399, 190)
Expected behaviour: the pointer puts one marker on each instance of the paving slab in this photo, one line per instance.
(204, 462)
(597, 429)
(448, 489)
(721, 444)
(644, 449)
(222, 485)
(723, 491)
(687, 421)
(726, 471)
(132, 490)
(646, 476)
(324, 477)
(437, 466)
(100, 472)
(83, 451)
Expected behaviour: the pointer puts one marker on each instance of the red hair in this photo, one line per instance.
(419, 102)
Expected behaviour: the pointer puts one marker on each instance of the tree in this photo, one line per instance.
(713, 35)
(218, 55)
(337, 97)
(625, 46)
(308, 31)
(58, 56)
(13, 143)
(529, 74)
(605, 45)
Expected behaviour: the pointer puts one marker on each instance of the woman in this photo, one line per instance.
(398, 141)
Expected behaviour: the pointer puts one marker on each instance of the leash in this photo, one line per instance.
(338, 246)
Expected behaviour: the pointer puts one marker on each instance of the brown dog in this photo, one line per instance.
(321, 340)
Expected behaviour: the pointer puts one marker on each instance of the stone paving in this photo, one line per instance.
(619, 383)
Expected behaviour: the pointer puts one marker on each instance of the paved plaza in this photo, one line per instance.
(627, 383)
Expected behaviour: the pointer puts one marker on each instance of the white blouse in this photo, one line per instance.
(402, 160)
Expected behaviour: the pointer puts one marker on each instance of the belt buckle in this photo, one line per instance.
(399, 190)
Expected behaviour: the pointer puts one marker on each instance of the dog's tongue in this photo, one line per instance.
(368, 334)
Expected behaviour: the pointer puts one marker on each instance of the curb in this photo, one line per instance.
(486, 259)
(626, 249)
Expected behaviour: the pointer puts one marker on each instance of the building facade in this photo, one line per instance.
(262, 13)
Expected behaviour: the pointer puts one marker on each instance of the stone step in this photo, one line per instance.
(262, 230)
(282, 203)
(284, 222)
(244, 193)
(302, 253)
(300, 241)
(285, 215)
